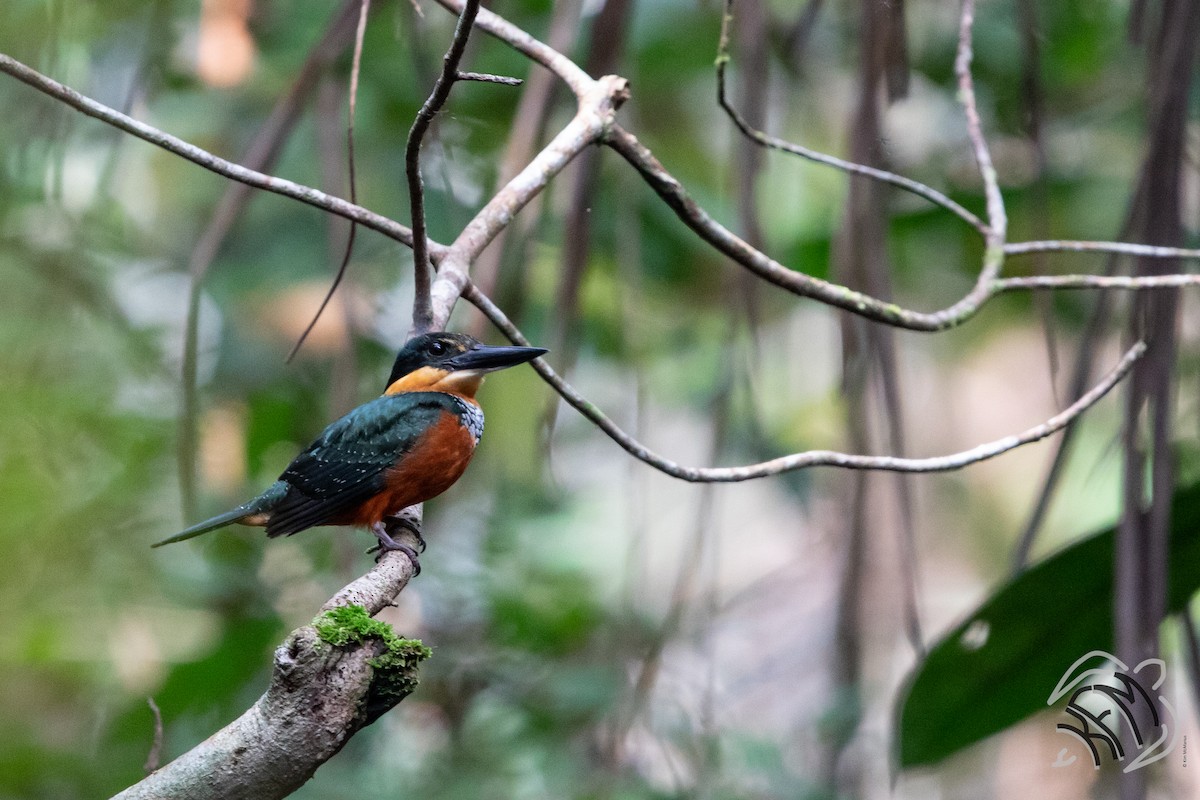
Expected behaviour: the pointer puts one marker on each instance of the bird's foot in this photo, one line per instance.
(392, 523)
(386, 543)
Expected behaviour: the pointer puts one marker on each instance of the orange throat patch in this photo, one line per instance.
(463, 382)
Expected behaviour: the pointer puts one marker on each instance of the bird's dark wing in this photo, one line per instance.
(346, 465)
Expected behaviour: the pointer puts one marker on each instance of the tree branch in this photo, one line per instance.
(487, 77)
(571, 74)
(670, 189)
(1128, 282)
(321, 691)
(809, 458)
(695, 217)
(203, 158)
(775, 143)
(597, 110)
(997, 218)
(1125, 248)
(422, 309)
(770, 270)
(355, 68)
(330, 680)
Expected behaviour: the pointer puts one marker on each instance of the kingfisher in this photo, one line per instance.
(405, 447)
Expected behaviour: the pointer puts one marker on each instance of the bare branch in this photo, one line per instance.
(571, 74)
(598, 105)
(261, 155)
(770, 270)
(318, 698)
(997, 219)
(422, 309)
(809, 458)
(154, 757)
(1126, 248)
(594, 117)
(693, 215)
(487, 77)
(355, 68)
(321, 693)
(997, 231)
(529, 125)
(774, 142)
(213, 163)
(1129, 282)
(724, 240)
(647, 165)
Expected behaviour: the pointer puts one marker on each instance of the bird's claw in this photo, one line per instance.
(385, 542)
(404, 522)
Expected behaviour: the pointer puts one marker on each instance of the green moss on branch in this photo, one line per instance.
(395, 667)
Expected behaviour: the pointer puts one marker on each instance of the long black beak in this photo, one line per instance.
(486, 358)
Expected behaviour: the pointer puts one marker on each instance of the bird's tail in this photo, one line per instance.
(264, 502)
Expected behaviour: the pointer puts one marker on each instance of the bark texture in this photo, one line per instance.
(330, 680)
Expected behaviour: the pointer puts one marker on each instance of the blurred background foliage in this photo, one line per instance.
(598, 630)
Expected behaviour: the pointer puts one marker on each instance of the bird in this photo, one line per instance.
(405, 447)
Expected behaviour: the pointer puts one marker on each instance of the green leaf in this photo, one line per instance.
(1001, 664)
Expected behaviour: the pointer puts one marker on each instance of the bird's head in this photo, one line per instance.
(451, 362)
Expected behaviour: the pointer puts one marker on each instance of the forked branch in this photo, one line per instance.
(775, 143)
(654, 173)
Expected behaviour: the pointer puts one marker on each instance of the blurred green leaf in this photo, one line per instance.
(548, 612)
(1032, 629)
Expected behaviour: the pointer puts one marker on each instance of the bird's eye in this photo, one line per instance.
(436, 348)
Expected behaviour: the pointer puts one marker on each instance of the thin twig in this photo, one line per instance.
(487, 77)
(1126, 248)
(213, 163)
(832, 294)
(528, 128)
(154, 757)
(997, 219)
(262, 154)
(695, 217)
(330, 119)
(422, 307)
(670, 189)
(809, 458)
(592, 120)
(1129, 282)
(493, 24)
(774, 142)
(359, 35)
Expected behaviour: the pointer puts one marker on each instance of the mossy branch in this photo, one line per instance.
(331, 679)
